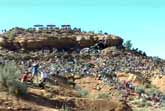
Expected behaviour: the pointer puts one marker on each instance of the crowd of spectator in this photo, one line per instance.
(92, 63)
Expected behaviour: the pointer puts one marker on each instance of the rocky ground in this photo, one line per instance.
(64, 97)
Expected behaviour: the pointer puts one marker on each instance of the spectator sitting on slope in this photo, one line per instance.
(25, 77)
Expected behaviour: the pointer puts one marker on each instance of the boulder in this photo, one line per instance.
(108, 51)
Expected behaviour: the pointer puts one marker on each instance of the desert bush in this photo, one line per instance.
(141, 103)
(142, 109)
(11, 35)
(140, 89)
(148, 89)
(9, 74)
(17, 88)
(64, 108)
(30, 30)
(152, 91)
(82, 93)
(128, 45)
(103, 96)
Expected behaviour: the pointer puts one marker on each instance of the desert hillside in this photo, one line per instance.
(65, 69)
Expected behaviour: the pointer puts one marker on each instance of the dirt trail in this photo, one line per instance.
(93, 86)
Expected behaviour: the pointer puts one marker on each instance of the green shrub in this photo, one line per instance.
(103, 96)
(82, 93)
(9, 74)
(128, 45)
(140, 89)
(141, 103)
(142, 109)
(152, 90)
(30, 30)
(17, 88)
(148, 89)
(65, 108)
(11, 35)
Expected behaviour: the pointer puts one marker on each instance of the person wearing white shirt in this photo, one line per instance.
(44, 76)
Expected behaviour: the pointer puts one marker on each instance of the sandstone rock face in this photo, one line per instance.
(130, 77)
(35, 43)
(67, 41)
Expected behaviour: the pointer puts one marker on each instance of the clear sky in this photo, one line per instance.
(142, 21)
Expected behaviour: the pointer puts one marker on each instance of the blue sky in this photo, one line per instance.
(142, 21)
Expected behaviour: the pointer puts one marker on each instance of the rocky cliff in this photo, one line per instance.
(37, 40)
